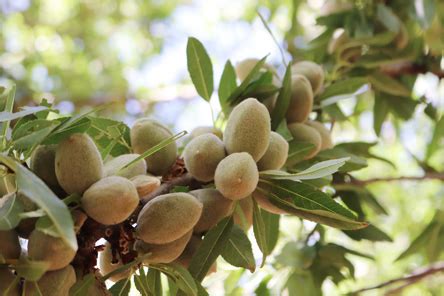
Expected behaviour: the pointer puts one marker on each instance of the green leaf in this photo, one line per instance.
(238, 250)
(389, 85)
(371, 233)
(37, 191)
(297, 151)
(68, 127)
(354, 163)
(9, 105)
(180, 276)
(309, 203)
(45, 225)
(81, 287)
(200, 68)
(141, 281)
(362, 149)
(31, 270)
(262, 289)
(260, 231)
(231, 282)
(154, 282)
(373, 203)
(343, 90)
(296, 255)
(316, 171)
(10, 211)
(7, 181)
(271, 222)
(211, 247)
(227, 85)
(422, 239)
(301, 282)
(355, 195)
(8, 116)
(39, 130)
(260, 91)
(401, 107)
(335, 112)
(283, 100)
(111, 136)
(245, 83)
(283, 130)
(155, 148)
(426, 13)
(180, 189)
(380, 112)
(438, 136)
(125, 267)
(388, 18)
(121, 288)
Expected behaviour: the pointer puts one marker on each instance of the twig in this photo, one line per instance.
(184, 180)
(414, 277)
(427, 176)
(352, 183)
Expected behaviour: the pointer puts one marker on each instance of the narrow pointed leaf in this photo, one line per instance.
(309, 203)
(243, 86)
(10, 212)
(37, 191)
(283, 100)
(260, 231)
(238, 250)
(227, 85)
(200, 68)
(121, 288)
(211, 247)
(316, 171)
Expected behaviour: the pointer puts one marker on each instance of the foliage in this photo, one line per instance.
(376, 51)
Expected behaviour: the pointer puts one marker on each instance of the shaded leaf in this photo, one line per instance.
(343, 90)
(181, 277)
(271, 222)
(371, 233)
(238, 251)
(260, 231)
(38, 192)
(81, 287)
(387, 84)
(31, 270)
(10, 211)
(380, 112)
(422, 239)
(388, 18)
(283, 100)
(297, 151)
(437, 138)
(9, 96)
(121, 288)
(245, 83)
(211, 247)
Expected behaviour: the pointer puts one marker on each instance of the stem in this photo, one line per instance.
(355, 182)
(408, 280)
(184, 180)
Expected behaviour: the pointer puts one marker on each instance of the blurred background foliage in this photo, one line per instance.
(131, 54)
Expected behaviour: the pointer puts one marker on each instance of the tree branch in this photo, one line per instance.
(414, 277)
(184, 180)
(353, 182)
